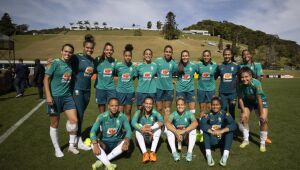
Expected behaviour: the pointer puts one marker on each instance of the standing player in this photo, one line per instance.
(255, 67)
(147, 123)
(105, 86)
(126, 73)
(181, 126)
(146, 83)
(59, 98)
(228, 71)
(251, 97)
(83, 69)
(185, 80)
(112, 124)
(218, 127)
(166, 68)
(206, 83)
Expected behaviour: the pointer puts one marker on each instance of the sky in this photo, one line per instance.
(280, 17)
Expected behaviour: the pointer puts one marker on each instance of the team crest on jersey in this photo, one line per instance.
(152, 68)
(191, 69)
(66, 77)
(88, 71)
(111, 131)
(107, 72)
(210, 68)
(165, 72)
(219, 119)
(170, 65)
(130, 69)
(186, 77)
(147, 75)
(232, 68)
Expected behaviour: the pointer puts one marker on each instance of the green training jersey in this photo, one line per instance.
(105, 75)
(165, 71)
(112, 126)
(206, 80)
(256, 69)
(181, 121)
(248, 92)
(126, 75)
(185, 82)
(60, 73)
(147, 82)
(138, 120)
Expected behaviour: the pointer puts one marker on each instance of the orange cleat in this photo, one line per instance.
(146, 157)
(268, 141)
(152, 156)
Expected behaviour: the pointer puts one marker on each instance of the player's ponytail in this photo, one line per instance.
(88, 38)
(181, 65)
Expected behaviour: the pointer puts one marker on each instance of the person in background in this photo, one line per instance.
(20, 71)
(38, 77)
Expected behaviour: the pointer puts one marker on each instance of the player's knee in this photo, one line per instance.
(71, 127)
(244, 119)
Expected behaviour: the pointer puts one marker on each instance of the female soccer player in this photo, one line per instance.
(126, 73)
(218, 127)
(181, 126)
(105, 86)
(147, 123)
(185, 80)
(83, 69)
(255, 67)
(165, 90)
(228, 71)
(206, 83)
(146, 83)
(59, 98)
(112, 124)
(251, 97)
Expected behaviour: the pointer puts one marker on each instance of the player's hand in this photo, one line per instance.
(96, 149)
(263, 119)
(179, 138)
(125, 145)
(49, 101)
(181, 131)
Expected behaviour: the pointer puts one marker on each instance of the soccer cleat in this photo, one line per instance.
(223, 160)
(262, 148)
(73, 150)
(189, 157)
(111, 167)
(82, 146)
(19, 95)
(59, 153)
(152, 156)
(199, 137)
(268, 141)
(210, 160)
(176, 156)
(146, 157)
(244, 144)
(97, 164)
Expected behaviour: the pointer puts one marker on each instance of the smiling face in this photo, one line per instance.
(127, 56)
(247, 57)
(185, 57)
(227, 56)
(215, 106)
(180, 105)
(66, 53)
(246, 78)
(113, 106)
(108, 51)
(88, 48)
(148, 56)
(206, 57)
(148, 105)
(168, 53)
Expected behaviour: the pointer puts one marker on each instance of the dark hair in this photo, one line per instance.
(205, 51)
(216, 98)
(113, 98)
(245, 70)
(88, 38)
(169, 46)
(37, 61)
(102, 57)
(128, 48)
(181, 65)
(231, 52)
(20, 60)
(142, 109)
(246, 50)
(67, 45)
(180, 98)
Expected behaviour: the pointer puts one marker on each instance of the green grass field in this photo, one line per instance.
(29, 147)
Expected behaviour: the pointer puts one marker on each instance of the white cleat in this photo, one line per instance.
(73, 150)
(59, 153)
(210, 160)
(223, 160)
(82, 146)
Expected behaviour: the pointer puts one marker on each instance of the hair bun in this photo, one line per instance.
(89, 38)
(128, 47)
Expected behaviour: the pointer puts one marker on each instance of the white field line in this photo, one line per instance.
(19, 123)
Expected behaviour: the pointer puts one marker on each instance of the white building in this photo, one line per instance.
(200, 32)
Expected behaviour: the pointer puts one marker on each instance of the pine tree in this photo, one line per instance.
(220, 45)
(170, 30)
(158, 25)
(6, 25)
(149, 24)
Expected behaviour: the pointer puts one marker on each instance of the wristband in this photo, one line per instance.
(155, 126)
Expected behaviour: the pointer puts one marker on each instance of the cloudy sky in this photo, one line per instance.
(279, 17)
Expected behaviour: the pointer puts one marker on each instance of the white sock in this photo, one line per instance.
(246, 134)
(72, 140)
(192, 140)
(171, 140)
(226, 153)
(193, 111)
(208, 151)
(141, 141)
(241, 126)
(156, 136)
(263, 137)
(103, 158)
(54, 138)
(116, 151)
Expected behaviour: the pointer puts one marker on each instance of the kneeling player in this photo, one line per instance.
(112, 124)
(218, 128)
(147, 123)
(181, 124)
(251, 96)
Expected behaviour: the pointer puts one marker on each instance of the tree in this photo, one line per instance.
(170, 30)
(80, 24)
(87, 24)
(21, 28)
(6, 25)
(133, 25)
(158, 25)
(104, 25)
(96, 24)
(220, 45)
(149, 24)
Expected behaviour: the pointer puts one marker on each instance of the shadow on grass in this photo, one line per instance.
(13, 97)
